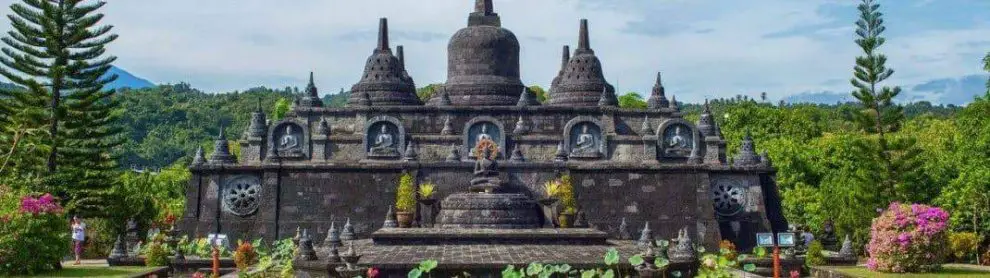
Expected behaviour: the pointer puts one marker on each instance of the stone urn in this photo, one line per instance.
(405, 218)
(565, 218)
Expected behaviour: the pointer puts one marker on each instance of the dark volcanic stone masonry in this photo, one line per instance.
(322, 165)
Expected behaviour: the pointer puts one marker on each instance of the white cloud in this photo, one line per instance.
(705, 48)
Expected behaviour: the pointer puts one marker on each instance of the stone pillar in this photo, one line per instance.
(268, 211)
(321, 147)
(252, 150)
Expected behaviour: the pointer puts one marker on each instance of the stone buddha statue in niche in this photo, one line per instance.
(384, 144)
(586, 144)
(678, 143)
(289, 144)
(483, 135)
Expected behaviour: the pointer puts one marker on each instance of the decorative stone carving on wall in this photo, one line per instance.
(484, 127)
(584, 139)
(384, 138)
(290, 139)
(729, 195)
(242, 195)
(676, 138)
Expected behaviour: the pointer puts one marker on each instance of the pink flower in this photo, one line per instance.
(795, 274)
(372, 272)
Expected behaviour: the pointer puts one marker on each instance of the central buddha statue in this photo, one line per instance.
(289, 143)
(485, 173)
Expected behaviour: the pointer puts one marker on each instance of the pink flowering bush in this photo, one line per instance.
(34, 235)
(908, 238)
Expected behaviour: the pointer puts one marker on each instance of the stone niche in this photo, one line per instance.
(290, 139)
(676, 138)
(483, 127)
(584, 139)
(384, 138)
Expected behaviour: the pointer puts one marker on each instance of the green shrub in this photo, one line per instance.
(815, 256)
(100, 236)
(156, 255)
(963, 245)
(34, 238)
(566, 193)
(405, 196)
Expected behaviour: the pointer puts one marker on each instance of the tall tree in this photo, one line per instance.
(56, 51)
(986, 67)
(880, 116)
(632, 100)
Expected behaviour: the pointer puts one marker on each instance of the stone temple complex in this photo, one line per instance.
(629, 167)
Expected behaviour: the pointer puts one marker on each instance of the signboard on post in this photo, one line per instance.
(219, 240)
(785, 239)
(764, 239)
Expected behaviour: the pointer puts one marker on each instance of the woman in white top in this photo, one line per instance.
(78, 236)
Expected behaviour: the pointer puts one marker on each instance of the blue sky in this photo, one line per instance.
(704, 48)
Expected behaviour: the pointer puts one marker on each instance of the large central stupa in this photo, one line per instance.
(319, 165)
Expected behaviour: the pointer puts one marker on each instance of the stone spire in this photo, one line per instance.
(582, 81)
(119, 248)
(402, 63)
(565, 57)
(526, 98)
(390, 220)
(765, 160)
(384, 80)
(483, 61)
(199, 159)
(714, 144)
(624, 230)
(455, 153)
(747, 154)
(410, 153)
(658, 99)
(847, 251)
(448, 127)
(323, 128)
(348, 232)
(646, 128)
(673, 104)
(333, 236)
(706, 124)
(444, 98)
(517, 154)
(312, 97)
(608, 98)
(522, 126)
(306, 251)
(561, 154)
(221, 150)
(257, 128)
(645, 235)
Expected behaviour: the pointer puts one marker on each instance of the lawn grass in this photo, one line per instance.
(96, 271)
(947, 271)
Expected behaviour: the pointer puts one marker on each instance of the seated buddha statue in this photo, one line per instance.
(384, 144)
(586, 144)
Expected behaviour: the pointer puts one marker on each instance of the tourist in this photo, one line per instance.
(78, 237)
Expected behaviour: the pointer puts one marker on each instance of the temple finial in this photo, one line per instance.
(565, 57)
(383, 34)
(659, 81)
(401, 56)
(583, 41)
(484, 7)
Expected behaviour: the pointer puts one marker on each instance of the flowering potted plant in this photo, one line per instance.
(405, 200)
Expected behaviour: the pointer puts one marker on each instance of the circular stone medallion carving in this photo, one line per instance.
(729, 197)
(241, 195)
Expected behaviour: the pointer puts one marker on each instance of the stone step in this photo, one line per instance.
(425, 236)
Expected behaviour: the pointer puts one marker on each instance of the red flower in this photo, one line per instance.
(795, 274)
(372, 272)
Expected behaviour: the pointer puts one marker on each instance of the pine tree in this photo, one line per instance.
(891, 161)
(56, 51)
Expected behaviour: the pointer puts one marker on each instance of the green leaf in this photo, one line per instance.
(661, 262)
(588, 274)
(609, 274)
(701, 249)
(749, 267)
(612, 256)
(508, 271)
(428, 265)
(564, 268)
(676, 273)
(636, 260)
(534, 268)
(415, 273)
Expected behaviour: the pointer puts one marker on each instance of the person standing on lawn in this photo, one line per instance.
(78, 237)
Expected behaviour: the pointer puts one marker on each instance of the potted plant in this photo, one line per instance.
(565, 192)
(405, 200)
(426, 192)
(565, 217)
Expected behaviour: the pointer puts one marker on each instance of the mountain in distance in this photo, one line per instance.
(126, 80)
(823, 97)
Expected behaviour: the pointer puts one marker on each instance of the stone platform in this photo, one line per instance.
(444, 236)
